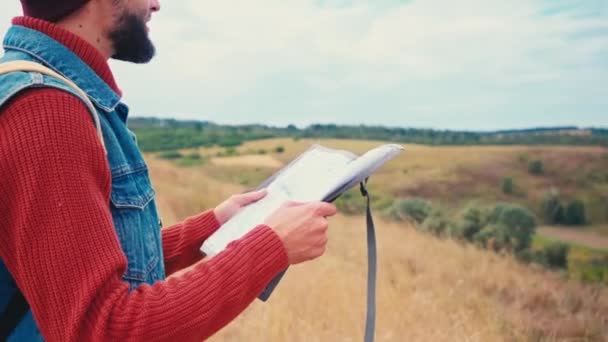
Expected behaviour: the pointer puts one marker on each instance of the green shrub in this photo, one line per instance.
(472, 220)
(494, 237)
(229, 142)
(554, 255)
(526, 256)
(350, 203)
(170, 155)
(413, 209)
(231, 151)
(279, 149)
(353, 203)
(575, 213)
(552, 210)
(262, 151)
(436, 222)
(519, 222)
(596, 270)
(192, 159)
(536, 167)
(507, 185)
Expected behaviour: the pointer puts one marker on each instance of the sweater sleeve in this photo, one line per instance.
(181, 241)
(58, 239)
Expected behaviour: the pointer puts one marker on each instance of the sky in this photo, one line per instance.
(468, 64)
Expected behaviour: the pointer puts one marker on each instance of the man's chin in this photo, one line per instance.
(132, 42)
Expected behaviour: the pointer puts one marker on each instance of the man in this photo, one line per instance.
(80, 237)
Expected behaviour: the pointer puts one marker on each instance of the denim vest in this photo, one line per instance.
(132, 203)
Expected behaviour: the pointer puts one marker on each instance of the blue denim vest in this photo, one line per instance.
(132, 204)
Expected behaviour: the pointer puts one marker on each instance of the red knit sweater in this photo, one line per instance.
(58, 240)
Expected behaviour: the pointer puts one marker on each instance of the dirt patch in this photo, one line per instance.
(248, 160)
(588, 239)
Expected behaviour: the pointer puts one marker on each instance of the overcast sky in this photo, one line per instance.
(468, 64)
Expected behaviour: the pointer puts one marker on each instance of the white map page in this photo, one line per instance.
(313, 176)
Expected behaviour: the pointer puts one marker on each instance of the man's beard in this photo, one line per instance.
(131, 41)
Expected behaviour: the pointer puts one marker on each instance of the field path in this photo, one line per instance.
(588, 239)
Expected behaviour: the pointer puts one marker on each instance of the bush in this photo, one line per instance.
(507, 186)
(192, 159)
(194, 156)
(536, 167)
(575, 213)
(350, 203)
(552, 210)
(279, 149)
(596, 270)
(414, 209)
(170, 155)
(262, 151)
(231, 151)
(519, 222)
(436, 222)
(229, 142)
(494, 237)
(554, 255)
(472, 220)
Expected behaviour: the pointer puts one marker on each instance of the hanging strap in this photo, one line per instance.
(28, 66)
(370, 320)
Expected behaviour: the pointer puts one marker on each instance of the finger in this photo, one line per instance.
(325, 209)
(250, 197)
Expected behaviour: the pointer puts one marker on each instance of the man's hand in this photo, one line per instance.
(232, 205)
(302, 228)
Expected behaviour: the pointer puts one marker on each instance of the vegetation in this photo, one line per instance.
(168, 134)
(507, 186)
(493, 297)
(551, 207)
(575, 213)
(536, 167)
(555, 212)
(170, 155)
(412, 209)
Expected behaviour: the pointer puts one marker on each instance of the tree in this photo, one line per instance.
(552, 210)
(536, 167)
(519, 222)
(575, 213)
(507, 185)
(472, 220)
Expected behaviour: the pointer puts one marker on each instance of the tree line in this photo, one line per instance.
(156, 134)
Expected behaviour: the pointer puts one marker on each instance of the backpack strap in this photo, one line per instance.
(27, 66)
(372, 267)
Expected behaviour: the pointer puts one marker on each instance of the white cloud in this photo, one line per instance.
(471, 63)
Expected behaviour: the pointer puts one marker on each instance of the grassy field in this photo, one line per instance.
(429, 289)
(454, 175)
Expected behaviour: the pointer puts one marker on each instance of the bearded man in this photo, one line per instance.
(83, 256)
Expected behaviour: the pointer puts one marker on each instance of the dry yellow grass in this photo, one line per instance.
(248, 160)
(452, 170)
(428, 289)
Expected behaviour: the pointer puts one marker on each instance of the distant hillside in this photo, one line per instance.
(167, 134)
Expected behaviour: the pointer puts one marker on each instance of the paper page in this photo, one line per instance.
(316, 174)
(364, 166)
(306, 179)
